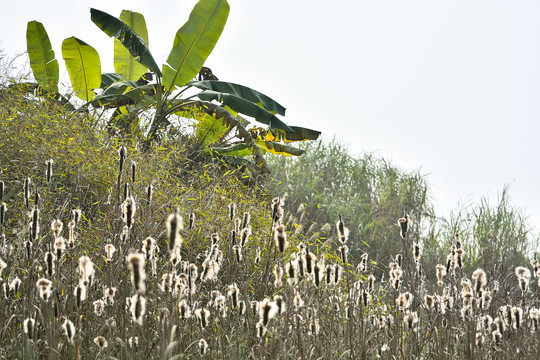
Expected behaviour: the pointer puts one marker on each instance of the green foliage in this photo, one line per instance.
(493, 234)
(369, 193)
(194, 42)
(133, 95)
(41, 54)
(210, 129)
(241, 92)
(132, 41)
(125, 65)
(84, 67)
(355, 315)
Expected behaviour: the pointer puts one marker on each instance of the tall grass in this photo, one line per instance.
(194, 276)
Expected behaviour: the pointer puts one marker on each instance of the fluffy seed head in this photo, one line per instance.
(237, 253)
(99, 307)
(34, 225)
(184, 310)
(246, 220)
(109, 251)
(278, 273)
(232, 210)
(59, 246)
(314, 327)
(128, 211)
(244, 235)
(44, 287)
(280, 304)
(80, 294)
(417, 252)
(298, 301)
(203, 316)
(149, 247)
(69, 330)
(138, 308)
(343, 232)
(234, 294)
(86, 269)
(344, 251)
(261, 329)
(28, 328)
(203, 346)
(3, 265)
(175, 223)
(56, 228)
(138, 276)
(101, 342)
(267, 310)
(108, 295)
(410, 319)
(280, 238)
(403, 224)
(517, 315)
(497, 337)
(524, 275)
(480, 278)
(441, 273)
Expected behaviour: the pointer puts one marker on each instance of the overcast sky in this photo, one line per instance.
(448, 87)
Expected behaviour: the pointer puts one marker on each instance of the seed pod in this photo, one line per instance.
(232, 210)
(26, 191)
(138, 275)
(3, 210)
(86, 269)
(28, 328)
(247, 218)
(138, 308)
(191, 221)
(101, 342)
(203, 346)
(267, 310)
(34, 227)
(175, 223)
(403, 224)
(133, 171)
(48, 173)
(280, 237)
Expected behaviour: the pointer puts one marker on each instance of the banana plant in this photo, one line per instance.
(218, 106)
(140, 85)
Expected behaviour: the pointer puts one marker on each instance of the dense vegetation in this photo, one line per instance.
(127, 232)
(357, 293)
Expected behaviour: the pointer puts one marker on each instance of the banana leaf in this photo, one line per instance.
(246, 107)
(84, 67)
(108, 79)
(300, 134)
(238, 150)
(137, 47)
(42, 61)
(281, 149)
(124, 63)
(194, 42)
(243, 92)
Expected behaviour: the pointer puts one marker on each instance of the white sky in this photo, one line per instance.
(448, 87)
